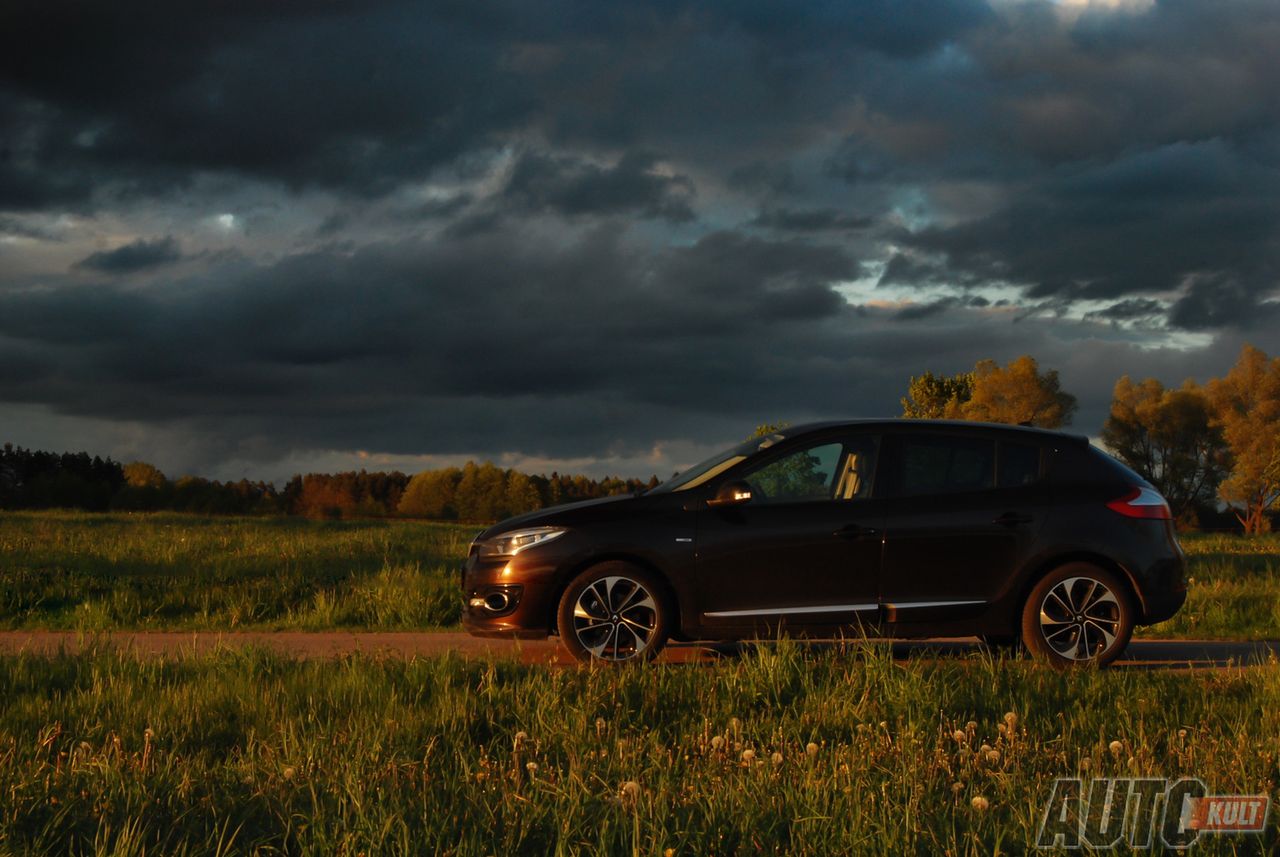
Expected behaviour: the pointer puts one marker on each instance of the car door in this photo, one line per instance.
(805, 550)
(961, 517)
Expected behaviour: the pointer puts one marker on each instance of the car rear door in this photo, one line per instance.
(961, 517)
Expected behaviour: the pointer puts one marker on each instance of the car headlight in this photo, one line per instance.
(512, 543)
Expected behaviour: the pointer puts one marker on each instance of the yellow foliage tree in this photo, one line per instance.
(1018, 393)
(1168, 436)
(1246, 405)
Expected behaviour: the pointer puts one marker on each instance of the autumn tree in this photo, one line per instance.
(1246, 406)
(936, 397)
(766, 429)
(521, 494)
(1018, 393)
(140, 474)
(1168, 436)
(430, 494)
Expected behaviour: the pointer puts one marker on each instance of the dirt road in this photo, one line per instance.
(1148, 654)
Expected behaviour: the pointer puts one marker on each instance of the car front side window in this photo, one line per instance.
(839, 470)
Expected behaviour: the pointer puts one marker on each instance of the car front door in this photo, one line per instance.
(961, 517)
(804, 550)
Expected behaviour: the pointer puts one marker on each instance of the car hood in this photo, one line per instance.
(563, 515)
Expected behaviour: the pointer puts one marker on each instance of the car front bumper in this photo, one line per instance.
(528, 586)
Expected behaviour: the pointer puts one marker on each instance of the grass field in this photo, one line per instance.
(783, 752)
(99, 572)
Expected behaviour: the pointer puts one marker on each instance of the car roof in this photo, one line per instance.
(918, 425)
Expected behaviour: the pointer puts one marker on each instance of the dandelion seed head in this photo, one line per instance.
(289, 772)
(957, 787)
(717, 742)
(776, 758)
(811, 748)
(980, 803)
(1116, 748)
(960, 736)
(531, 767)
(631, 790)
(748, 754)
(1010, 719)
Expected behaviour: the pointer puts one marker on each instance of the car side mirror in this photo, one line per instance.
(731, 494)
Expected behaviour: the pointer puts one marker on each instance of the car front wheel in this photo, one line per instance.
(614, 612)
(1077, 614)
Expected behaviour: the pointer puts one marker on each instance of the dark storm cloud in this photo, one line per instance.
(567, 227)
(396, 340)
(810, 220)
(360, 96)
(1143, 223)
(573, 187)
(1129, 309)
(135, 256)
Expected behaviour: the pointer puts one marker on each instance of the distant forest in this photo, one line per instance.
(31, 479)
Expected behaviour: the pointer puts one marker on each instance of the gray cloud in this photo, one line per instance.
(574, 229)
(810, 220)
(573, 187)
(135, 256)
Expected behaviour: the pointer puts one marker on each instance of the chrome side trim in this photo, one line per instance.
(789, 611)
(908, 605)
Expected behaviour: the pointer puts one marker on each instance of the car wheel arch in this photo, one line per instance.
(1058, 560)
(670, 592)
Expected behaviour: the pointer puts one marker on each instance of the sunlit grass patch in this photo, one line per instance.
(788, 750)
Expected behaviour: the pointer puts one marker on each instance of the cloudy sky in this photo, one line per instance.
(250, 239)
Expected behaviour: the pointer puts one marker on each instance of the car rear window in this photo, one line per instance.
(945, 465)
(1088, 465)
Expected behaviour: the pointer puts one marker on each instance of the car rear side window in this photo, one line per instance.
(945, 465)
(1019, 464)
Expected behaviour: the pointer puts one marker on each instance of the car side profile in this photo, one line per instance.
(893, 528)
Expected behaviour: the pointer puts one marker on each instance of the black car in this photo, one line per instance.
(902, 528)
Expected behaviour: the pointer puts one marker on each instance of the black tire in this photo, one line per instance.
(1078, 614)
(607, 610)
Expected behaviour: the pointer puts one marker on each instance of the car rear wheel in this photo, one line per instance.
(1078, 614)
(614, 613)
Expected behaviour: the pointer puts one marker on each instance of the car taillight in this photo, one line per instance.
(1142, 503)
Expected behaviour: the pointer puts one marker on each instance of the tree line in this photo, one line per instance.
(31, 479)
(1205, 447)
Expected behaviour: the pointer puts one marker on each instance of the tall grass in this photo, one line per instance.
(96, 572)
(182, 572)
(1233, 590)
(784, 752)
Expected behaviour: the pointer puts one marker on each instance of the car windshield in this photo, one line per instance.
(716, 464)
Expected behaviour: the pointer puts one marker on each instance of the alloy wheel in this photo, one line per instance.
(1080, 618)
(615, 618)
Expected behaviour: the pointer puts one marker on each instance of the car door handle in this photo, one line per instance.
(857, 531)
(1012, 519)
